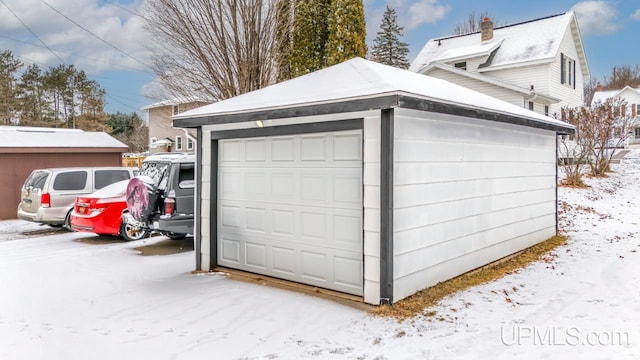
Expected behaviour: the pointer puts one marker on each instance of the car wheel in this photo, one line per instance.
(175, 236)
(132, 233)
(67, 222)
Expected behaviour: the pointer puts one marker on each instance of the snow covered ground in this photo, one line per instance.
(65, 299)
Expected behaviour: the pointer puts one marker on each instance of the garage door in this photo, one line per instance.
(291, 207)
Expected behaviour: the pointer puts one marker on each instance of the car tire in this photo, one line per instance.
(132, 233)
(67, 222)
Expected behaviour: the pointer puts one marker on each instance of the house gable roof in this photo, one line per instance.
(603, 95)
(354, 82)
(33, 137)
(525, 43)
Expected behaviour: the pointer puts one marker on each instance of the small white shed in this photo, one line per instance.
(370, 180)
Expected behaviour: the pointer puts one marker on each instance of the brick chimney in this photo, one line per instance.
(486, 30)
(598, 86)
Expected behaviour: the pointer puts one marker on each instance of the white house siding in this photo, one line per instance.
(570, 97)
(480, 86)
(371, 191)
(466, 192)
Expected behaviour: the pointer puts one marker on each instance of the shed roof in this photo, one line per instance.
(33, 137)
(353, 81)
(527, 42)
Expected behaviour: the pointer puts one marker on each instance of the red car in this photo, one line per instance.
(101, 213)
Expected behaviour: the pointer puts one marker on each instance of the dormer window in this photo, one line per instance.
(567, 71)
(461, 65)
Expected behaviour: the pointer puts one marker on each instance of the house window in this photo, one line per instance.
(189, 144)
(178, 143)
(637, 132)
(153, 142)
(531, 105)
(546, 110)
(176, 109)
(461, 65)
(567, 71)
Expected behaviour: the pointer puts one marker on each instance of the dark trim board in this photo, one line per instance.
(213, 207)
(198, 200)
(409, 102)
(371, 103)
(556, 187)
(386, 206)
(307, 128)
(379, 102)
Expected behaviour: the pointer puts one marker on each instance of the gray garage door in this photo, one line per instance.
(291, 207)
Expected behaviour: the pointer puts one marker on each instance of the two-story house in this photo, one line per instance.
(538, 64)
(630, 108)
(163, 137)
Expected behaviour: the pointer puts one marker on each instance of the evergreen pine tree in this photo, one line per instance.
(310, 35)
(387, 47)
(347, 31)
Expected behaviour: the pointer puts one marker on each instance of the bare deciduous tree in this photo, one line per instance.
(472, 23)
(600, 131)
(215, 49)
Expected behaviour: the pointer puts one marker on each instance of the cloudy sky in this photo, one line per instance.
(106, 38)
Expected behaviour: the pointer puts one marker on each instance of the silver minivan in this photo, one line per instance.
(47, 195)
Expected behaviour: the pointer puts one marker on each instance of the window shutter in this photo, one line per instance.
(562, 71)
(623, 110)
(634, 109)
(574, 74)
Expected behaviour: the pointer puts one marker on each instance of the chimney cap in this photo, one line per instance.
(486, 18)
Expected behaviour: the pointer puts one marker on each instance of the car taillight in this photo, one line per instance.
(169, 206)
(45, 200)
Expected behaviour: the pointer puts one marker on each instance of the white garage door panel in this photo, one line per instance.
(291, 207)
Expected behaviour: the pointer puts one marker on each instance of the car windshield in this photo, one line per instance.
(113, 190)
(156, 171)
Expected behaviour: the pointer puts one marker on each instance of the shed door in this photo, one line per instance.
(291, 207)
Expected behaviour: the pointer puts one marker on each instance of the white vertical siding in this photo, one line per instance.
(466, 192)
(205, 199)
(371, 204)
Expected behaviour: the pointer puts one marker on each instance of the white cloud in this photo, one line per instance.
(636, 15)
(425, 12)
(118, 27)
(411, 14)
(596, 17)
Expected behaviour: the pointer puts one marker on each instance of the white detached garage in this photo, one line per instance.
(370, 180)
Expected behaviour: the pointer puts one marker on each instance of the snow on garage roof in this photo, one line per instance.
(357, 79)
(34, 137)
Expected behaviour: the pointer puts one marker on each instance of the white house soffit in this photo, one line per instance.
(577, 39)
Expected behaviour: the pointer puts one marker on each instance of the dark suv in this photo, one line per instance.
(160, 197)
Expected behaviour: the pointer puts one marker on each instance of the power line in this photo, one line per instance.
(125, 9)
(95, 60)
(94, 35)
(31, 31)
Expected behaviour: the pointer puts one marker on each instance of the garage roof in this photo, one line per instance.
(358, 85)
(34, 137)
